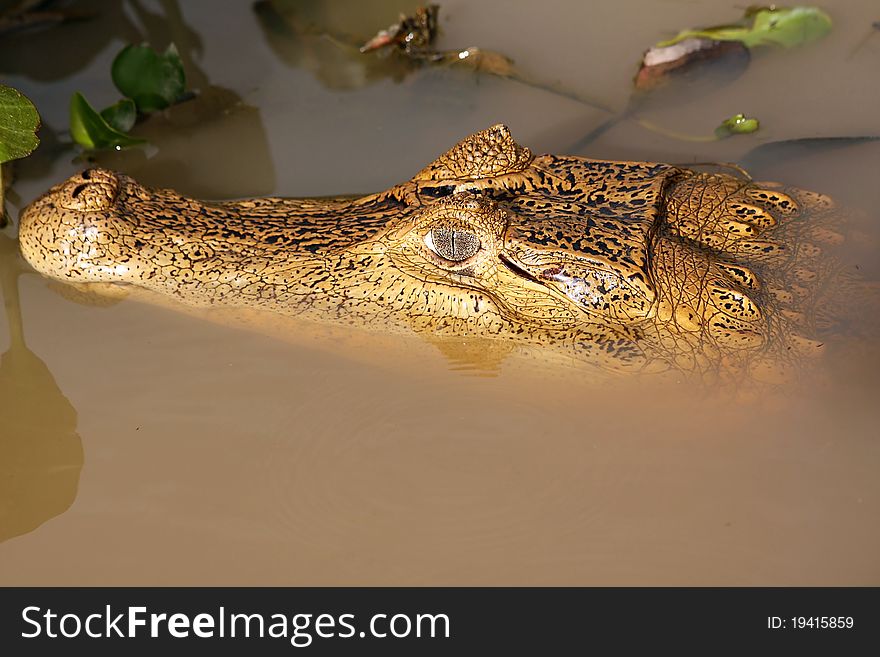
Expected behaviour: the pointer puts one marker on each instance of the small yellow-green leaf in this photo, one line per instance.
(121, 116)
(90, 130)
(738, 124)
(19, 122)
(152, 80)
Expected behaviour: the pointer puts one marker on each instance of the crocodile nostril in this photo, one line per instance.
(93, 190)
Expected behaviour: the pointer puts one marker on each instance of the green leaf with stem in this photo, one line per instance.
(763, 26)
(91, 130)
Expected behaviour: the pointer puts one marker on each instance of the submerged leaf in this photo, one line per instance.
(738, 124)
(91, 130)
(19, 122)
(121, 116)
(152, 80)
(780, 26)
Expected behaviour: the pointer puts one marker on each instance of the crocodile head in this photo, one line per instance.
(626, 264)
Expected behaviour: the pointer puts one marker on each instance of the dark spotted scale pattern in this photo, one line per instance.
(628, 265)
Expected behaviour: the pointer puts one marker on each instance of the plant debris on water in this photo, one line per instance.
(691, 49)
(413, 37)
(766, 26)
(785, 27)
(411, 34)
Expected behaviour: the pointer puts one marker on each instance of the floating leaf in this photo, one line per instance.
(788, 28)
(152, 80)
(121, 116)
(19, 122)
(738, 124)
(91, 130)
(779, 26)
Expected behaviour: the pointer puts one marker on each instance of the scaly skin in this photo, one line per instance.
(628, 265)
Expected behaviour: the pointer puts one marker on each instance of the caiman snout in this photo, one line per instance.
(68, 232)
(625, 263)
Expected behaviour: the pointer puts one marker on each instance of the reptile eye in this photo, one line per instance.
(453, 244)
(437, 192)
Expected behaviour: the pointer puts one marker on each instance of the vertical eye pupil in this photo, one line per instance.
(454, 245)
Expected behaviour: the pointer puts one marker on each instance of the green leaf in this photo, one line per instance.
(738, 124)
(19, 122)
(763, 26)
(90, 130)
(788, 28)
(120, 116)
(152, 80)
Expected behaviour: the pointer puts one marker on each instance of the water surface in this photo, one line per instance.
(150, 447)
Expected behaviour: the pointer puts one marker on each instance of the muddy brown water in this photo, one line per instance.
(143, 446)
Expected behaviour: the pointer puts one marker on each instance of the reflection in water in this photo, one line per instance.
(194, 152)
(24, 53)
(775, 153)
(100, 22)
(41, 454)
